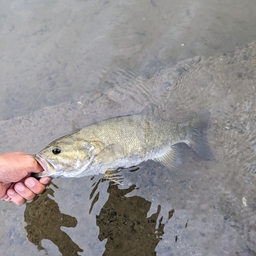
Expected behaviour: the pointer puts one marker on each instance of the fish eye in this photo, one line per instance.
(56, 151)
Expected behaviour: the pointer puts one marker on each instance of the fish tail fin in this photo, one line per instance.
(196, 135)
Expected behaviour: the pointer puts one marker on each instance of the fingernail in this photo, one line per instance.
(10, 192)
(19, 187)
(30, 183)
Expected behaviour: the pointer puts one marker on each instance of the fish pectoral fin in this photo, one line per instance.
(171, 159)
(98, 146)
(109, 153)
(113, 175)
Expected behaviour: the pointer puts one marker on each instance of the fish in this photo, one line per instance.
(122, 142)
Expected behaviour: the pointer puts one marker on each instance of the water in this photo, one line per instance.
(66, 64)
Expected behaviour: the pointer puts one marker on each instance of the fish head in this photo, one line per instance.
(65, 158)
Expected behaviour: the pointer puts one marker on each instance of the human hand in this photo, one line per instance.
(16, 185)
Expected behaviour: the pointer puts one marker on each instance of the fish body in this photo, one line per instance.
(120, 143)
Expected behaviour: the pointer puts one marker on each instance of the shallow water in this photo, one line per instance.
(69, 64)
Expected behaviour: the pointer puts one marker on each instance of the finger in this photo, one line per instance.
(6, 198)
(45, 180)
(3, 189)
(34, 185)
(23, 191)
(15, 197)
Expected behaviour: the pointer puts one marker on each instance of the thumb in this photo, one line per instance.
(37, 167)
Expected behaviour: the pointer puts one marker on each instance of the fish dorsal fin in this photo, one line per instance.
(171, 159)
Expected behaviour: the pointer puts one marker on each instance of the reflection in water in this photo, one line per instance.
(124, 222)
(44, 221)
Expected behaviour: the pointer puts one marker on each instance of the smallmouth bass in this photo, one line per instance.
(121, 142)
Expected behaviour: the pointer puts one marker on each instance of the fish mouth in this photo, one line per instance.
(45, 165)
